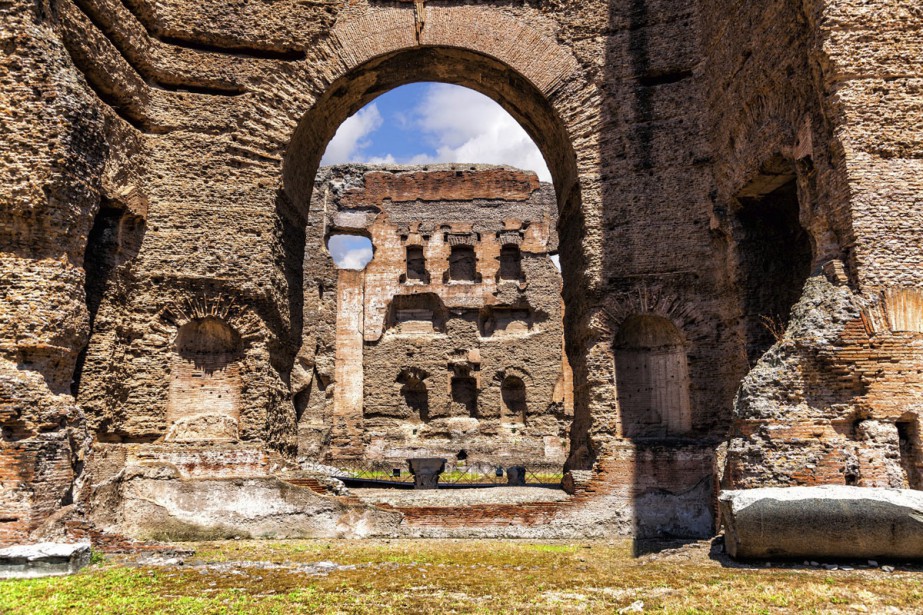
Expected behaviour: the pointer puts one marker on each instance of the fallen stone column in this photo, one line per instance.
(830, 521)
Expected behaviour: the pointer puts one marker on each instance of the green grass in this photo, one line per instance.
(456, 476)
(463, 576)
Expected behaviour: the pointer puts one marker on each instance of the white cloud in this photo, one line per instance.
(352, 136)
(350, 251)
(556, 261)
(389, 159)
(466, 126)
(459, 124)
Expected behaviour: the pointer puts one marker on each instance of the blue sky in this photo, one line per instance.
(424, 123)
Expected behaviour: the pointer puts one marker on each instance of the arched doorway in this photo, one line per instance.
(535, 110)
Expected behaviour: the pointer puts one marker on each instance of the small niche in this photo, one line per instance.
(416, 265)
(510, 263)
(513, 396)
(505, 321)
(417, 314)
(415, 394)
(464, 396)
(462, 264)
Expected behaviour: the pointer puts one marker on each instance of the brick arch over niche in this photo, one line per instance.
(538, 81)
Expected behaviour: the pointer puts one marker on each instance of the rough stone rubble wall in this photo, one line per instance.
(206, 121)
(834, 88)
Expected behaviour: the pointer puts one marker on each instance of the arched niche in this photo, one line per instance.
(652, 378)
(203, 401)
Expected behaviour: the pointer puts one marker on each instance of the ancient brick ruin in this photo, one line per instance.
(450, 341)
(736, 196)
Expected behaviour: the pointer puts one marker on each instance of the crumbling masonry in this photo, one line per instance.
(737, 185)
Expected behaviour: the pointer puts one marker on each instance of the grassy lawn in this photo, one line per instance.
(456, 576)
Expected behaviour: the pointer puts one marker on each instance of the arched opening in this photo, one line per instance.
(428, 254)
(652, 378)
(489, 76)
(350, 251)
(513, 396)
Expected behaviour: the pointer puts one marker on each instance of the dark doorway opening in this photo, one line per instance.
(775, 257)
(115, 238)
(909, 437)
(416, 264)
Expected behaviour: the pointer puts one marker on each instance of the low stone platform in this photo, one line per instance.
(823, 522)
(44, 559)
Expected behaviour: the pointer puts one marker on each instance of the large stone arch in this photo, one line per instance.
(539, 82)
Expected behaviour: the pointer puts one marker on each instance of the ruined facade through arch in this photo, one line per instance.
(437, 351)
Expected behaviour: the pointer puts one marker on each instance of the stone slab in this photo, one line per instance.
(829, 521)
(44, 559)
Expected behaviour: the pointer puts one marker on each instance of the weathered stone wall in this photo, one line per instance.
(398, 333)
(821, 92)
(159, 166)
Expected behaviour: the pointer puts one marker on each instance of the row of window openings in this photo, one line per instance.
(464, 394)
(463, 264)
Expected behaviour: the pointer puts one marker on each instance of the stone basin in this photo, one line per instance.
(426, 471)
